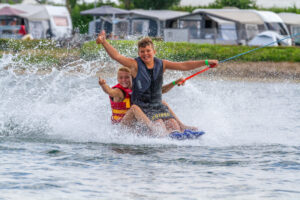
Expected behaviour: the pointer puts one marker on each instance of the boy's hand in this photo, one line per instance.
(101, 37)
(101, 81)
(180, 81)
(213, 63)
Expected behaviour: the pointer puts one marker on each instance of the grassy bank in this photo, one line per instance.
(46, 51)
(42, 52)
(179, 51)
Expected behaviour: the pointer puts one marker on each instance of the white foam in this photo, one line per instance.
(73, 107)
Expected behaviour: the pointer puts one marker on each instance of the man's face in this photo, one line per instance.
(147, 53)
(124, 78)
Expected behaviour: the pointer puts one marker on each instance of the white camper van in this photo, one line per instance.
(60, 21)
(274, 23)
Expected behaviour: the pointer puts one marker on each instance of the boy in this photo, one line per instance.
(122, 112)
(147, 73)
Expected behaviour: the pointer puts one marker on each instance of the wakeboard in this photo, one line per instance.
(186, 135)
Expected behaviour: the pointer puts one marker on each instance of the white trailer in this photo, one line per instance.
(60, 21)
(274, 23)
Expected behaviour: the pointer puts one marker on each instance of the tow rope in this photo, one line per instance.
(238, 55)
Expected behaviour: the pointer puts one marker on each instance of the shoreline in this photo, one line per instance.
(237, 71)
(257, 71)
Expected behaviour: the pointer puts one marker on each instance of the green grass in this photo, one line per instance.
(181, 51)
(36, 51)
(20, 45)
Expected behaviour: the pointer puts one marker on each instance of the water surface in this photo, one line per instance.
(57, 142)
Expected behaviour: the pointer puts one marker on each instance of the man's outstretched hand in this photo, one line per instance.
(101, 37)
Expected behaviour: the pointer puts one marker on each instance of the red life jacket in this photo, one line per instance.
(119, 109)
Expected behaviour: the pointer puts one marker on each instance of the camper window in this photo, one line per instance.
(60, 21)
(193, 26)
(121, 28)
(140, 27)
(277, 27)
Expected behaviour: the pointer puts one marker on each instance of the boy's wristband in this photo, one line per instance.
(174, 83)
(206, 62)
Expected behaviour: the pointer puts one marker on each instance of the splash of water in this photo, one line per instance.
(68, 103)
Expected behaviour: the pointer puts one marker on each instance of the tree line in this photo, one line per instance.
(81, 21)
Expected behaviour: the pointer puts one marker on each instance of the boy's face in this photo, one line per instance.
(124, 78)
(147, 53)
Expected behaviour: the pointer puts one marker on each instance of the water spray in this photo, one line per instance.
(238, 55)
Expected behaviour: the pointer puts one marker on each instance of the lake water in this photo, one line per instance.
(57, 142)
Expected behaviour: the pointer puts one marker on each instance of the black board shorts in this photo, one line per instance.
(157, 112)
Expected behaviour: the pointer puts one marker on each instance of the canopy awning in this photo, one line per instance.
(159, 14)
(290, 18)
(9, 11)
(104, 10)
(220, 21)
(237, 15)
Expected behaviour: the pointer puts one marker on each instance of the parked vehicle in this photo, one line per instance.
(274, 23)
(268, 37)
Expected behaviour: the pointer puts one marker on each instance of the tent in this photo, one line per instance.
(9, 11)
(152, 22)
(10, 21)
(292, 20)
(105, 11)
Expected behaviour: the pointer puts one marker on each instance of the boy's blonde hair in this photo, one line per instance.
(124, 69)
(145, 42)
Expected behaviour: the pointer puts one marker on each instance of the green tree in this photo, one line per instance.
(72, 3)
(127, 4)
(242, 4)
(149, 4)
(82, 21)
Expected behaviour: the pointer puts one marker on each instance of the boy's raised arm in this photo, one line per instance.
(108, 90)
(188, 65)
(114, 54)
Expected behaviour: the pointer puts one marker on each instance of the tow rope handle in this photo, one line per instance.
(238, 55)
(191, 76)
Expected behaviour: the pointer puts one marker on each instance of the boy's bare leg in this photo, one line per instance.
(129, 118)
(172, 125)
(160, 128)
(136, 113)
(182, 126)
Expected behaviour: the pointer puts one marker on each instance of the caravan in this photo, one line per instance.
(60, 21)
(274, 23)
